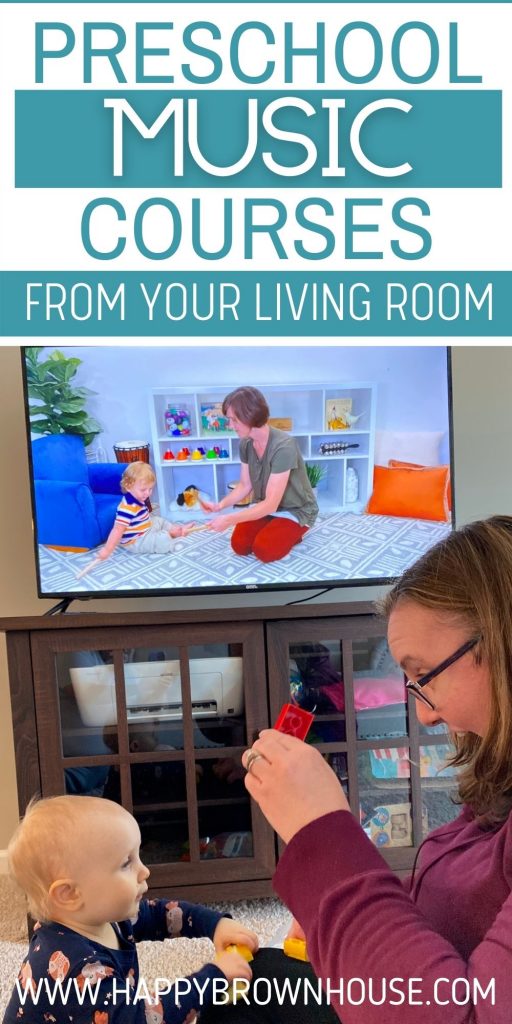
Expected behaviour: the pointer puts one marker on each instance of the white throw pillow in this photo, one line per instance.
(421, 446)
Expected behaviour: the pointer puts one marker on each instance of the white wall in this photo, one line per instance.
(411, 382)
(482, 384)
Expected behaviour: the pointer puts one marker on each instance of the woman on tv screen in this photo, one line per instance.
(283, 505)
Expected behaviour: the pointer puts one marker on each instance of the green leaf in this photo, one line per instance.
(58, 406)
(39, 428)
(73, 419)
(58, 372)
(88, 438)
(72, 405)
(85, 392)
(93, 424)
(72, 367)
(40, 410)
(32, 353)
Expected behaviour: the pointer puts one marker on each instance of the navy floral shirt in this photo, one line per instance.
(67, 978)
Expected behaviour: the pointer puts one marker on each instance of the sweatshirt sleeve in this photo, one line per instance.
(379, 958)
(171, 919)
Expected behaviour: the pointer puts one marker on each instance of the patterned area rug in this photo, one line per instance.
(340, 546)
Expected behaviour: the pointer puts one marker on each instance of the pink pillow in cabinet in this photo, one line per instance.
(375, 691)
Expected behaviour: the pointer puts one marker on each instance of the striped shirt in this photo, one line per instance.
(134, 516)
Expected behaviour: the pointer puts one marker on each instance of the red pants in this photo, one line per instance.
(269, 538)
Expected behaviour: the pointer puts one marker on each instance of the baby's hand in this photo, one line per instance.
(179, 531)
(230, 932)
(233, 966)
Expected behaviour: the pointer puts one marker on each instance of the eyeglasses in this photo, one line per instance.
(416, 686)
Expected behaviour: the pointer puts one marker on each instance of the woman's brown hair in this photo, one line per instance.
(249, 406)
(468, 577)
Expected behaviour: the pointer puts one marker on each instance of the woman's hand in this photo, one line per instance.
(209, 506)
(222, 523)
(295, 931)
(292, 783)
(233, 933)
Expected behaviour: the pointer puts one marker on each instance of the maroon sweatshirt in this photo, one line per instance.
(441, 953)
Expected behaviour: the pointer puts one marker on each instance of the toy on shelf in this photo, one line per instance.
(212, 454)
(296, 948)
(197, 455)
(335, 447)
(177, 421)
(224, 454)
(168, 456)
(189, 497)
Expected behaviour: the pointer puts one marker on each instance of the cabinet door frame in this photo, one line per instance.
(45, 646)
(280, 635)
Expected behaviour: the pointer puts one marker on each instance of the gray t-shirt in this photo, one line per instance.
(281, 454)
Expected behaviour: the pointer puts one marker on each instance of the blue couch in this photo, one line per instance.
(75, 501)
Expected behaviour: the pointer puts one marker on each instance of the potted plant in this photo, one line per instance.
(57, 405)
(315, 474)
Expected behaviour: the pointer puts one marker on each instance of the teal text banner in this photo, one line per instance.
(142, 304)
(450, 139)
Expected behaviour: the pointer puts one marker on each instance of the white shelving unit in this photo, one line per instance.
(304, 404)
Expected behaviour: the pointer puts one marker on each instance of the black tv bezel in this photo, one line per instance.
(254, 588)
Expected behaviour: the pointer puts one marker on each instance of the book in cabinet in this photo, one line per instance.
(178, 768)
(344, 454)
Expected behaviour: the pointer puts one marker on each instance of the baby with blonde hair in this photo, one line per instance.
(135, 529)
(78, 860)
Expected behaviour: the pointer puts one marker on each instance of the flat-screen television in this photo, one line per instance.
(341, 476)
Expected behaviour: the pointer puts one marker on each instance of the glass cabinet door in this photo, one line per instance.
(157, 719)
(392, 770)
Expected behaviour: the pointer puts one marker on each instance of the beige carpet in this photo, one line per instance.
(171, 960)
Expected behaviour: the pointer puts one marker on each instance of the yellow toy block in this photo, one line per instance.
(296, 948)
(242, 950)
(247, 955)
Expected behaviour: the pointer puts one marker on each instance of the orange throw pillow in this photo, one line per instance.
(412, 493)
(395, 464)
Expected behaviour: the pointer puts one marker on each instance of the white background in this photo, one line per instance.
(40, 229)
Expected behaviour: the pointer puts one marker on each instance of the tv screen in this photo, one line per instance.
(328, 466)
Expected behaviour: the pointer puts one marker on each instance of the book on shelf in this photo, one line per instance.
(213, 420)
(337, 413)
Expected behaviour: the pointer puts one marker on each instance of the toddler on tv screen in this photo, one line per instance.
(189, 469)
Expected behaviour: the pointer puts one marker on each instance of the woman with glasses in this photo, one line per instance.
(438, 948)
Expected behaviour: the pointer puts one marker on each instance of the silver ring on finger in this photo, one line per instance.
(251, 758)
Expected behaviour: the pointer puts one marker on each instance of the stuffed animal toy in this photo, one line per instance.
(190, 496)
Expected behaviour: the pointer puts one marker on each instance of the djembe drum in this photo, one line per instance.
(132, 451)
